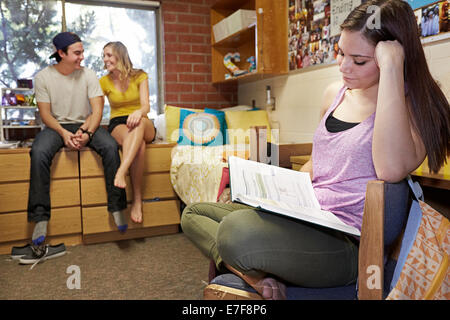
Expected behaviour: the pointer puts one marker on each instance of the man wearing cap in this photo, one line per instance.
(70, 102)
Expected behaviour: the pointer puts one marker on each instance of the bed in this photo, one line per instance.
(196, 166)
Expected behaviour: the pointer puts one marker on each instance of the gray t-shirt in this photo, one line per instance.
(68, 95)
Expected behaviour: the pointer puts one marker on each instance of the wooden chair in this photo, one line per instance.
(385, 214)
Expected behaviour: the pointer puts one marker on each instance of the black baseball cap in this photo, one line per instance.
(63, 40)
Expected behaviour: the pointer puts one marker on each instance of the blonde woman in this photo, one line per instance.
(128, 94)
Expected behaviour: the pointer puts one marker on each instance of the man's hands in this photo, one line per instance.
(80, 139)
(75, 141)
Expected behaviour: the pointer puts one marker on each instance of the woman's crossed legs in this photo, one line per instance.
(133, 156)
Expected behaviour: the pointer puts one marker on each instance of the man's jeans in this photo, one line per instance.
(43, 150)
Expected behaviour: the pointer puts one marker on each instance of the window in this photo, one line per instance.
(32, 24)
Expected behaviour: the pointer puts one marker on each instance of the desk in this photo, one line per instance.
(435, 186)
(440, 180)
(297, 162)
(287, 150)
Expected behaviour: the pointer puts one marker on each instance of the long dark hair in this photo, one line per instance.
(430, 111)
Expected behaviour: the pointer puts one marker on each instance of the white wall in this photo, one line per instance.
(299, 93)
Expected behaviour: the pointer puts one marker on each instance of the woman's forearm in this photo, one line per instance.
(395, 149)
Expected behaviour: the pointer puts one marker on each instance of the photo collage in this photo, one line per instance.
(433, 19)
(309, 34)
(314, 27)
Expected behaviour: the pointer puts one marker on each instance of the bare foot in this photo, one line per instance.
(271, 289)
(120, 180)
(136, 212)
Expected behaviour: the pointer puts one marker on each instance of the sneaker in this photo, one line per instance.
(43, 252)
(19, 252)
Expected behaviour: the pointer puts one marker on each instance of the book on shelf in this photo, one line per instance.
(280, 191)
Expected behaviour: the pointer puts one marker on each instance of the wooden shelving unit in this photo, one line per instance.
(4, 114)
(267, 40)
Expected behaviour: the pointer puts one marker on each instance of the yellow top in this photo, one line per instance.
(123, 103)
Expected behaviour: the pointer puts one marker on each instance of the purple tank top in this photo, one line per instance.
(342, 166)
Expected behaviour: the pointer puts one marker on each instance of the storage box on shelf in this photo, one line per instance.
(65, 222)
(161, 207)
(265, 40)
(240, 20)
(20, 99)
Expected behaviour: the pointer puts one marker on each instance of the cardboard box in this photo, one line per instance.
(239, 20)
(221, 30)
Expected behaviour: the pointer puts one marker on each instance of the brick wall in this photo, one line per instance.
(187, 57)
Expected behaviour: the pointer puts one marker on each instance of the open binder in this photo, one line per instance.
(280, 191)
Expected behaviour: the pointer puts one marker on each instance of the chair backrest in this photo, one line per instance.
(386, 211)
(397, 201)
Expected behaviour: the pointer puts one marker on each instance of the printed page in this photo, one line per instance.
(287, 188)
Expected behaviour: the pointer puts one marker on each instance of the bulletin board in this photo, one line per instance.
(314, 30)
(314, 27)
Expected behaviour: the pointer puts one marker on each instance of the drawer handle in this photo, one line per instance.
(152, 200)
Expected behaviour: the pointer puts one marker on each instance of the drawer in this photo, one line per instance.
(157, 213)
(93, 190)
(157, 159)
(63, 193)
(15, 226)
(90, 164)
(16, 166)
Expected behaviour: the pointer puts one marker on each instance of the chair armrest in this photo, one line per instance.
(371, 248)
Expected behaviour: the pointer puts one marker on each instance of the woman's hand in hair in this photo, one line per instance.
(389, 54)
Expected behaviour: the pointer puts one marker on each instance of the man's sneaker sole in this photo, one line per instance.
(51, 252)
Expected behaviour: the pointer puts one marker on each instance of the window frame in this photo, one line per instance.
(134, 4)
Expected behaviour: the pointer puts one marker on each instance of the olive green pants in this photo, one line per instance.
(252, 241)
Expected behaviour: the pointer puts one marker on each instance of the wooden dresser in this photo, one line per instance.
(161, 206)
(78, 197)
(65, 223)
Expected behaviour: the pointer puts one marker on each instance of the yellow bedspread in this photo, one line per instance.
(196, 171)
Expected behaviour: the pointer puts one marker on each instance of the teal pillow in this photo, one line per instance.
(201, 128)
(223, 122)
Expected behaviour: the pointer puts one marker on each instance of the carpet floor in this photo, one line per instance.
(166, 267)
